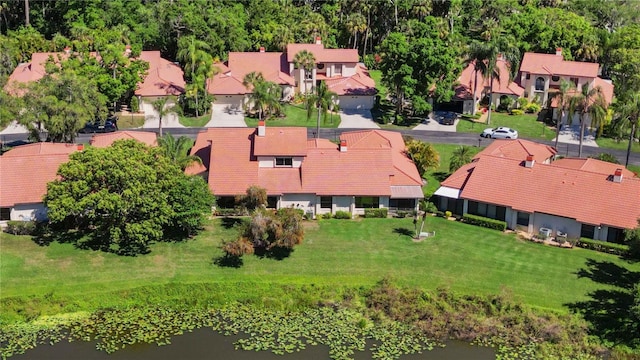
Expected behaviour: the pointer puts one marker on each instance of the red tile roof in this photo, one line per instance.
(518, 150)
(163, 77)
(323, 55)
(23, 179)
(105, 140)
(229, 155)
(502, 85)
(593, 165)
(552, 64)
(550, 189)
(359, 84)
(272, 65)
(42, 148)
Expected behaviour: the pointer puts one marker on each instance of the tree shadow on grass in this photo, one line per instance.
(609, 311)
(229, 222)
(44, 236)
(229, 261)
(404, 231)
(276, 253)
(440, 175)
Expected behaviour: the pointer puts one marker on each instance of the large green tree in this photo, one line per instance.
(124, 197)
(265, 95)
(423, 154)
(323, 100)
(563, 98)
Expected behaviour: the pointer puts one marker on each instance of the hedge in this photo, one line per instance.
(603, 246)
(376, 213)
(342, 215)
(484, 222)
(21, 227)
(299, 211)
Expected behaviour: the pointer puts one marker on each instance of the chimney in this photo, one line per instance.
(343, 145)
(529, 162)
(80, 147)
(617, 176)
(262, 129)
(261, 49)
(559, 51)
(127, 50)
(318, 40)
(500, 56)
(67, 50)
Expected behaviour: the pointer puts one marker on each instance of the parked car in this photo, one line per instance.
(499, 133)
(109, 125)
(445, 117)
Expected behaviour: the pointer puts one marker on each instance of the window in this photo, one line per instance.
(574, 80)
(284, 162)
(523, 218)
(225, 202)
(555, 78)
(528, 76)
(337, 69)
(5, 213)
(367, 202)
(540, 84)
(402, 203)
(587, 231)
(272, 202)
(308, 75)
(320, 66)
(615, 235)
(487, 210)
(326, 202)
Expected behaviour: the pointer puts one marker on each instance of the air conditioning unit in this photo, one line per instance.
(544, 233)
(561, 235)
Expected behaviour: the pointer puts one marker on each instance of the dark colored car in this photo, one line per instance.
(445, 117)
(109, 125)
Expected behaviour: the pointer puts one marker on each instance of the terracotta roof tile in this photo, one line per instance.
(42, 148)
(23, 179)
(291, 141)
(272, 65)
(593, 165)
(323, 55)
(552, 64)
(503, 85)
(105, 140)
(163, 77)
(518, 149)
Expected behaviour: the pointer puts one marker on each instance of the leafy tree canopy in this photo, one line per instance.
(124, 197)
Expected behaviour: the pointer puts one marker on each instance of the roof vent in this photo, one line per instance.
(67, 50)
(559, 51)
(318, 40)
(529, 162)
(343, 145)
(262, 129)
(617, 176)
(261, 49)
(80, 147)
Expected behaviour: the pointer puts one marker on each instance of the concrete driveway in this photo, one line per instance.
(151, 119)
(357, 119)
(223, 116)
(433, 125)
(571, 135)
(14, 128)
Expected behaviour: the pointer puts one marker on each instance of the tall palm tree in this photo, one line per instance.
(161, 107)
(177, 150)
(198, 63)
(477, 55)
(323, 101)
(307, 61)
(587, 101)
(563, 97)
(461, 155)
(356, 24)
(265, 95)
(629, 111)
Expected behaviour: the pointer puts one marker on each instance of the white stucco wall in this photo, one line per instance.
(305, 202)
(353, 102)
(27, 212)
(229, 100)
(569, 226)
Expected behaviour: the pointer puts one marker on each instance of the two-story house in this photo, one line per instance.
(338, 68)
(367, 170)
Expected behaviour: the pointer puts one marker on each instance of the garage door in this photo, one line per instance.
(229, 99)
(356, 102)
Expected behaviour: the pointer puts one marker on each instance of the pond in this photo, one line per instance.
(208, 344)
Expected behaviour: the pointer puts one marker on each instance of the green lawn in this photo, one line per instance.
(464, 258)
(192, 121)
(526, 124)
(296, 115)
(130, 120)
(618, 145)
(434, 177)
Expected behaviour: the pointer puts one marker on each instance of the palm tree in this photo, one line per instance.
(265, 95)
(587, 101)
(563, 103)
(177, 150)
(461, 155)
(629, 111)
(160, 106)
(198, 62)
(323, 100)
(477, 55)
(356, 24)
(305, 60)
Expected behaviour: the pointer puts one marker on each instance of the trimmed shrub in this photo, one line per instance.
(532, 108)
(21, 227)
(282, 211)
(485, 222)
(448, 214)
(342, 215)
(402, 214)
(603, 246)
(376, 213)
(327, 215)
(440, 213)
(517, 111)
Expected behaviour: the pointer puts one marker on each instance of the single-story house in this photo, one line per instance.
(367, 170)
(104, 140)
(570, 197)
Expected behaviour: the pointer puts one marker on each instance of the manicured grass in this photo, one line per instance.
(192, 121)
(526, 124)
(464, 258)
(434, 177)
(296, 115)
(609, 143)
(130, 121)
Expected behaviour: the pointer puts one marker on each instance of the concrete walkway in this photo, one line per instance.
(571, 135)
(14, 128)
(224, 116)
(357, 119)
(152, 120)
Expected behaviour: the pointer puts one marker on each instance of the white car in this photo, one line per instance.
(500, 133)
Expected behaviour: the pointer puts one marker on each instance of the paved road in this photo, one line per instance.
(428, 136)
